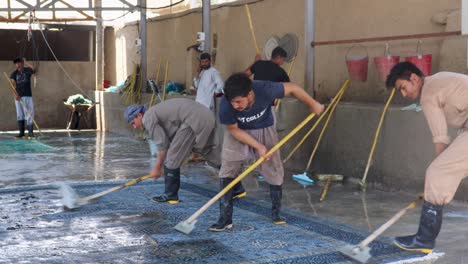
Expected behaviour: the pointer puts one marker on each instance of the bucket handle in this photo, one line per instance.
(354, 46)
(418, 49)
(387, 51)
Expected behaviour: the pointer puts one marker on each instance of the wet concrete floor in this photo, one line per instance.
(94, 156)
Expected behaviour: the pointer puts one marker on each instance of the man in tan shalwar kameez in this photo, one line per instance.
(444, 100)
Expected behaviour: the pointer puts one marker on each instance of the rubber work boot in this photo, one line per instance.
(30, 131)
(238, 191)
(225, 208)
(171, 187)
(429, 227)
(21, 129)
(276, 194)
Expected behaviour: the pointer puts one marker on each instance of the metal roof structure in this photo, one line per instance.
(80, 10)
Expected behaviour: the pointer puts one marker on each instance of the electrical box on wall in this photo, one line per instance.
(201, 40)
(138, 45)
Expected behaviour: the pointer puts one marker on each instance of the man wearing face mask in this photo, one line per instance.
(208, 82)
(444, 100)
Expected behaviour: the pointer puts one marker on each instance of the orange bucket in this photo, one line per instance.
(357, 66)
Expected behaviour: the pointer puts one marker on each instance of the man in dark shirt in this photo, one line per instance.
(21, 78)
(271, 70)
(246, 112)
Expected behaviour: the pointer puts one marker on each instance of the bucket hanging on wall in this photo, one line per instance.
(357, 65)
(423, 62)
(385, 63)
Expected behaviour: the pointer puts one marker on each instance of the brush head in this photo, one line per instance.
(354, 252)
(185, 227)
(332, 177)
(303, 179)
(70, 199)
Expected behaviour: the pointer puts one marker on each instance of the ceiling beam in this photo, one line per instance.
(50, 6)
(81, 12)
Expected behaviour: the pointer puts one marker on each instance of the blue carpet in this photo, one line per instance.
(254, 239)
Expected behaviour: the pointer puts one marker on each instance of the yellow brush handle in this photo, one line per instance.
(152, 99)
(153, 96)
(22, 103)
(325, 190)
(193, 217)
(323, 129)
(389, 223)
(247, 10)
(291, 65)
(165, 80)
(278, 101)
(376, 137)
(127, 184)
(317, 122)
(159, 71)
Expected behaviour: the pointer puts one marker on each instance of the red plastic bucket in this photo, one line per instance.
(105, 83)
(423, 62)
(357, 68)
(384, 64)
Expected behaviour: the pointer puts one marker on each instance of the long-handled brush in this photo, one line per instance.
(376, 137)
(328, 178)
(303, 177)
(252, 31)
(74, 201)
(188, 225)
(361, 252)
(317, 122)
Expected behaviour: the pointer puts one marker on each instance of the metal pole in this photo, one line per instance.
(310, 32)
(91, 46)
(143, 37)
(99, 46)
(206, 24)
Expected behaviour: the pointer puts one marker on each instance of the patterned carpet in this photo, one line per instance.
(124, 227)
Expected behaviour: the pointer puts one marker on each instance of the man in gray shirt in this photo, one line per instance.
(177, 127)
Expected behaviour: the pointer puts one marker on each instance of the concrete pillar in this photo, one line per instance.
(99, 46)
(310, 32)
(206, 24)
(143, 49)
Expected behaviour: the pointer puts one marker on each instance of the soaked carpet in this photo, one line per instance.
(23, 145)
(124, 227)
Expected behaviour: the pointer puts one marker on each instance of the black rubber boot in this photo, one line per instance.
(171, 189)
(30, 131)
(225, 209)
(429, 227)
(238, 191)
(21, 129)
(276, 194)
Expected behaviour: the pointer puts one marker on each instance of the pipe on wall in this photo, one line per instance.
(310, 32)
(206, 13)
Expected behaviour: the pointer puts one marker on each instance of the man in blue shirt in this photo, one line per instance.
(246, 112)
